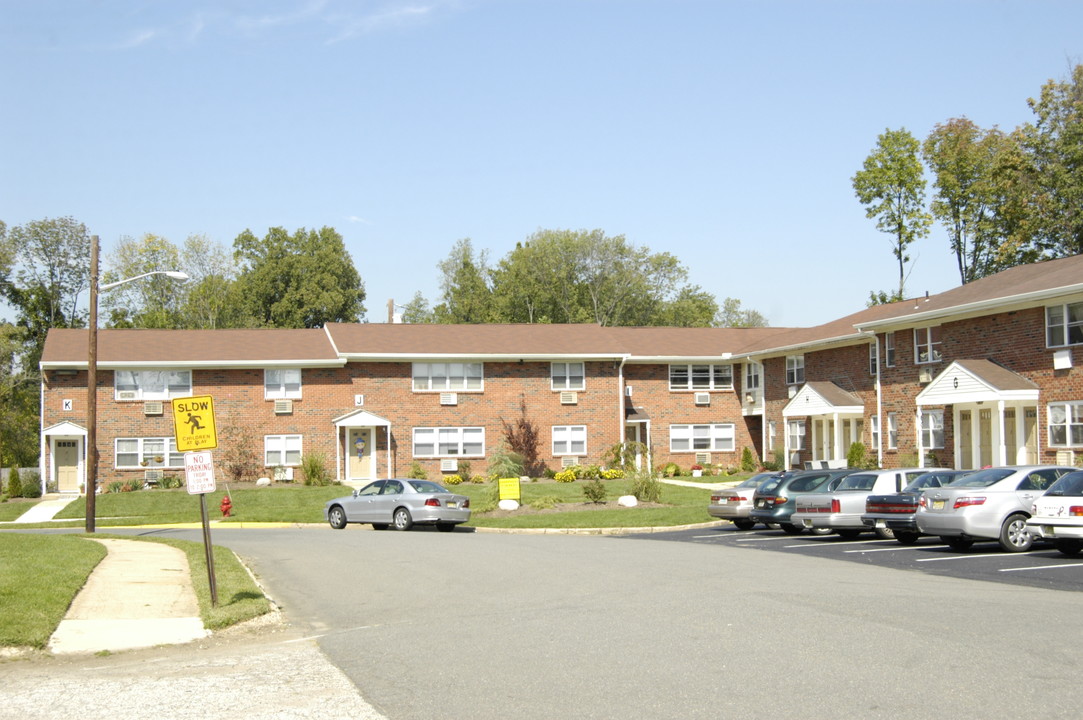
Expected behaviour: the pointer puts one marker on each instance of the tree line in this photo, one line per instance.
(1004, 198)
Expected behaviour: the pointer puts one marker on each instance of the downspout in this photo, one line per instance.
(41, 434)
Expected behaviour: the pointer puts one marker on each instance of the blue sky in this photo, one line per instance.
(723, 132)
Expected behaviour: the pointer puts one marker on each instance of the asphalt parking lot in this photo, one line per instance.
(1042, 566)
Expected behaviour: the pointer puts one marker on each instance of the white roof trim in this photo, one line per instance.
(360, 418)
(64, 428)
(974, 389)
(198, 364)
(799, 405)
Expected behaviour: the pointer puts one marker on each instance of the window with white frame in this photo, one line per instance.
(1064, 324)
(795, 429)
(692, 438)
(284, 450)
(569, 440)
(1066, 424)
(795, 369)
(567, 376)
(889, 349)
(153, 452)
(441, 377)
(700, 377)
(753, 371)
(771, 428)
(281, 383)
(874, 356)
(874, 432)
(449, 442)
(892, 431)
(932, 429)
(927, 345)
(151, 384)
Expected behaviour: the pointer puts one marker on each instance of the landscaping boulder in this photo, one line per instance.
(263, 482)
(508, 505)
(627, 501)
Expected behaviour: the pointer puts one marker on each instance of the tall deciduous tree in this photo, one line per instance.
(151, 302)
(467, 297)
(892, 187)
(303, 280)
(733, 315)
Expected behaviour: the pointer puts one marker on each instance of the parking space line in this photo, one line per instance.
(1042, 567)
(834, 544)
(894, 549)
(976, 557)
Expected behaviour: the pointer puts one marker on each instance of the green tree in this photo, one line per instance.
(19, 396)
(303, 280)
(467, 297)
(417, 311)
(733, 315)
(210, 295)
(151, 302)
(892, 187)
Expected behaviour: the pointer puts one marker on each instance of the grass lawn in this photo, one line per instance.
(12, 509)
(41, 575)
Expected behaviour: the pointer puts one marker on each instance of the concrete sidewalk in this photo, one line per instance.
(47, 509)
(139, 596)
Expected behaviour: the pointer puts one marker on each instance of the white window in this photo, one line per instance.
(927, 345)
(281, 383)
(151, 384)
(569, 440)
(147, 452)
(449, 442)
(567, 376)
(690, 438)
(700, 377)
(932, 429)
(874, 432)
(448, 376)
(796, 431)
(281, 450)
(752, 376)
(1066, 424)
(889, 349)
(795, 369)
(892, 431)
(1064, 324)
(771, 427)
(874, 356)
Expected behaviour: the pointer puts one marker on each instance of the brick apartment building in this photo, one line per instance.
(982, 374)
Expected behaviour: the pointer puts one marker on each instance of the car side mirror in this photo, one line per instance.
(354, 493)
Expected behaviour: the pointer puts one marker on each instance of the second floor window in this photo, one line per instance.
(448, 376)
(282, 383)
(567, 376)
(795, 369)
(151, 384)
(927, 345)
(874, 431)
(889, 349)
(700, 377)
(1064, 324)
(752, 376)
(874, 357)
(892, 430)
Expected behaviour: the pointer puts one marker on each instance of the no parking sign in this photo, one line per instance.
(199, 473)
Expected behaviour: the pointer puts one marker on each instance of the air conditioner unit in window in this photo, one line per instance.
(569, 397)
(703, 458)
(127, 395)
(569, 461)
(152, 407)
(1066, 457)
(925, 376)
(283, 407)
(449, 465)
(152, 475)
(283, 474)
(449, 398)
(703, 398)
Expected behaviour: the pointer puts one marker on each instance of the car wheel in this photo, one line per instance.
(885, 533)
(848, 533)
(445, 527)
(792, 529)
(402, 519)
(337, 517)
(906, 537)
(1070, 548)
(744, 524)
(957, 544)
(1014, 536)
(379, 526)
(819, 531)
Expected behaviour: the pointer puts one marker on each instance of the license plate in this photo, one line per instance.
(452, 503)
(938, 504)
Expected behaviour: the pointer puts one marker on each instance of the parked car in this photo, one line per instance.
(840, 510)
(400, 502)
(735, 503)
(895, 511)
(990, 504)
(774, 501)
(1058, 515)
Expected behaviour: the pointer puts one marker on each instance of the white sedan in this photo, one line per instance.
(1057, 516)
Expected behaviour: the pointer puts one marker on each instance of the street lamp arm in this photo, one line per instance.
(175, 274)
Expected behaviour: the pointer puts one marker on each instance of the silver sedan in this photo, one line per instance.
(399, 502)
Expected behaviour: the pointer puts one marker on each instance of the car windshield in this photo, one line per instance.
(1070, 484)
(932, 480)
(984, 478)
(427, 486)
(858, 481)
(806, 483)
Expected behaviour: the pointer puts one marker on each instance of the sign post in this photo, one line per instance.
(195, 432)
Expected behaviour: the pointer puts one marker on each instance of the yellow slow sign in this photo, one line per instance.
(193, 423)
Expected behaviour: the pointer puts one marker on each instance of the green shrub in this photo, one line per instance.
(477, 479)
(646, 487)
(115, 486)
(545, 502)
(132, 484)
(748, 460)
(505, 462)
(314, 466)
(624, 455)
(453, 479)
(417, 472)
(31, 481)
(15, 484)
(590, 472)
(671, 469)
(595, 491)
(170, 482)
(464, 468)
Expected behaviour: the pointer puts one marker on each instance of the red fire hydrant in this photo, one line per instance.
(225, 506)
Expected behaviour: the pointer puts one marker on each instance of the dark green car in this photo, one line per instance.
(774, 501)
